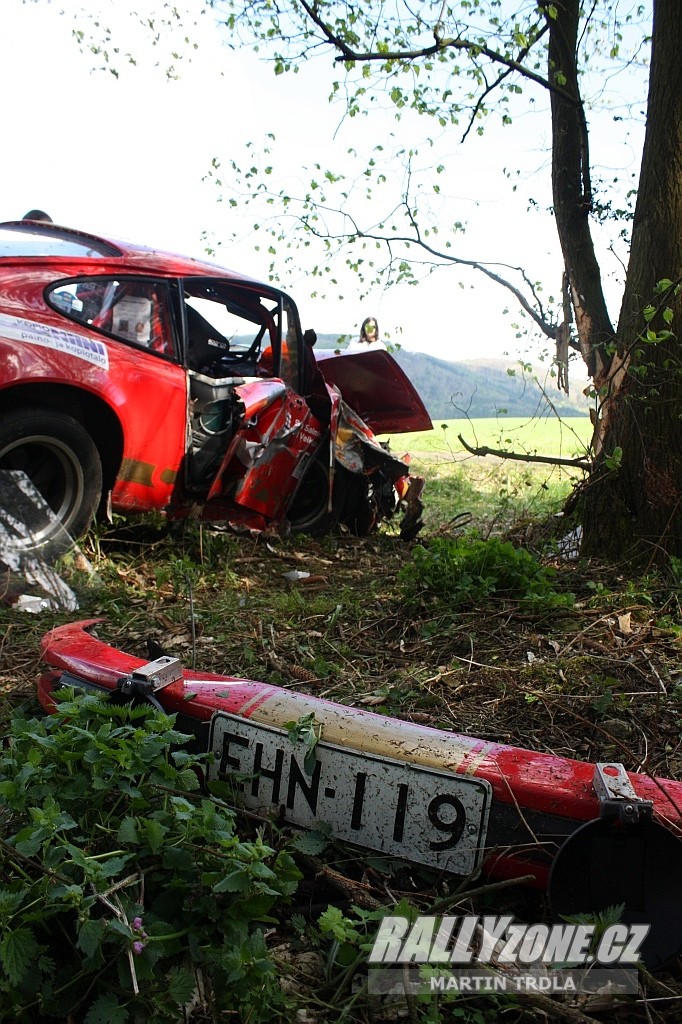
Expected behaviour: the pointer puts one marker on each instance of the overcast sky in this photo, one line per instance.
(128, 156)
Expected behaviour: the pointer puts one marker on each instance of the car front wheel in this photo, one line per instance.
(309, 511)
(62, 462)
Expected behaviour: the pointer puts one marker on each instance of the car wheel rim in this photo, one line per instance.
(54, 470)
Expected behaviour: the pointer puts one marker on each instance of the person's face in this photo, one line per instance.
(371, 329)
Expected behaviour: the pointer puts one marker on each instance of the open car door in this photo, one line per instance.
(376, 388)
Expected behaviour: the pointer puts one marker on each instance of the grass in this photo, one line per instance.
(492, 497)
(489, 493)
(568, 438)
(597, 681)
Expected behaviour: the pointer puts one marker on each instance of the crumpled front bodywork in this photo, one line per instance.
(263, 463)
(358, 451)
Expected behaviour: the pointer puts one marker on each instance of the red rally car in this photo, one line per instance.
(160, 382)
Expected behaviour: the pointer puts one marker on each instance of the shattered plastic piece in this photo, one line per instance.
(31, 603)
(568, 547)
(29, 523)
(30, 538)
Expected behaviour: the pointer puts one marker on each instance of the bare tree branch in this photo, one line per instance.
(549, 460)
(498, 81)
(549, 330)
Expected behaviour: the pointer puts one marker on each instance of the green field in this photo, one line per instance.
(496, 492)
(567, 438)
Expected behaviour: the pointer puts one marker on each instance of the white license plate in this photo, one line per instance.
(406, 810)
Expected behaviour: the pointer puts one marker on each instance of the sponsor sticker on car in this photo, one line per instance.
(20, 329)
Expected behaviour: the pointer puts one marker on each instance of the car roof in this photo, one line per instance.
(52, 243)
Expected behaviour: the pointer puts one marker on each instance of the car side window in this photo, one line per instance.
(228, 327)
(134, 310)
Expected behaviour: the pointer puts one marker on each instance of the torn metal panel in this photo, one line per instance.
(377, 388)
(358, 450)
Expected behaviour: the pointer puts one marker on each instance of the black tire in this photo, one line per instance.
(63, 463)
(309, 511)
(360, 508)
(353, 502)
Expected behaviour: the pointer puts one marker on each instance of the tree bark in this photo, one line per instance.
(572, 190)
(633, 513)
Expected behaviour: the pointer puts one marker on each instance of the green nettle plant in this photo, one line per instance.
(466, 571)
(125, 893)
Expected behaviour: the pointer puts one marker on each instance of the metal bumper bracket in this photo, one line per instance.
(154, 676)
(616, 796)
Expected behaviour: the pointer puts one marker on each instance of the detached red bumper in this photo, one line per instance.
(452, 802)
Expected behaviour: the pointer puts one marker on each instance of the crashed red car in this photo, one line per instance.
(160, 382)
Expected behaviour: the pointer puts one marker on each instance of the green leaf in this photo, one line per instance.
(127, 831)
(32, 843)
(154, 833)
(614, 460)
(333, 921)
(177, 859)
(187, 779)
(236, 881)
(17, 952)
(182, 808)
(90, 936)
(66, 893)
(306, 731)
(310, 842)
(106, 1010)
(181, 985)
(10, 902)
(114, 865)
(114, 925)
(310, 760)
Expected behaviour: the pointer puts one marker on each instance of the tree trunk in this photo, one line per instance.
(633, 512)
(572, 190)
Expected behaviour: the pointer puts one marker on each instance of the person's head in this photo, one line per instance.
(369, 331)
(37, 215)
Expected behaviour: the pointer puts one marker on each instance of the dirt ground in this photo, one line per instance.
(600, 681)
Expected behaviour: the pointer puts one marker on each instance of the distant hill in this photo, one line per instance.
(481, 387)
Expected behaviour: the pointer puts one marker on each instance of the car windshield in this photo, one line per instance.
(33, 239)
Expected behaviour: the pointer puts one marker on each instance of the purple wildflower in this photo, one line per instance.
(140, 935)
